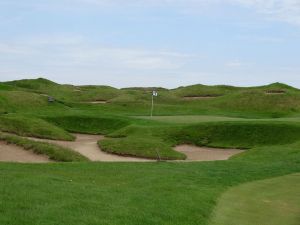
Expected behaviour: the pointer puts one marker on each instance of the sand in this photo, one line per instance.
(97, 102)
(195, 153)
(87, 145)
(199, 97)
(13, 153)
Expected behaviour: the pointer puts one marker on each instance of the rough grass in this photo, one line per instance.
(33, 127)
(233, 101)
(236, 134)
(273, 201)
(145, 140)
(54, 152)
(140, 147)
(87, 124)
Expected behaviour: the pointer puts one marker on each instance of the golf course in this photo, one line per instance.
(209, 155)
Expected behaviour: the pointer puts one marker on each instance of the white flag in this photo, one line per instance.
(154, 93)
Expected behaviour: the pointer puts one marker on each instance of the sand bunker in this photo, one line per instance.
(87, 145)
(13, 153)
(97, 102)
(199, 97)
(195, 153)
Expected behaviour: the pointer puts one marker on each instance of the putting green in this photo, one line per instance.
(186, 119)
(268, 202)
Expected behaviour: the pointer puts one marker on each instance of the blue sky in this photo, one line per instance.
(166, 43)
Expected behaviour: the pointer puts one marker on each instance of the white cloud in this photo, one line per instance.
(64, 50)
(281, 10)
(234, 64)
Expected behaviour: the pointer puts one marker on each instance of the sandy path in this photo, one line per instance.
(13, 153)
(199, 97)
(195, 153)
(87, 146)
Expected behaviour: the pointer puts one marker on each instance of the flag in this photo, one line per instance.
(154, 93)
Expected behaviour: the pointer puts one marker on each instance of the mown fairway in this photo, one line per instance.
(264, 124)
(250, 203)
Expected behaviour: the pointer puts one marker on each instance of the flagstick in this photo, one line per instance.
(152, 106)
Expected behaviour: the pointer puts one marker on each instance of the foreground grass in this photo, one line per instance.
(273, 201)
(54, 152)
(131, 193)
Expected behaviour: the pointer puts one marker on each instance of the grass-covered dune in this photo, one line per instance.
(274, 100)
(67, 93)
(88, 124)
(32, 126)
(146, 141)
(54, 152)
(237, 134)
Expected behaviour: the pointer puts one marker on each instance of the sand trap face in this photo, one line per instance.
(199, 97)
(97, 102)
(13, 153)
(195, 153)
(87, 145)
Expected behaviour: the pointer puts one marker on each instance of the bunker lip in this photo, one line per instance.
(195, 153)
(199, 97)
(13, 153)
(96, 102)
(87, 145)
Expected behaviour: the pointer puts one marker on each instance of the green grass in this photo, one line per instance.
(129, 193)
(251, 102)
(54, 152)
(236, 134)
(145, 140)
(190, 119)
(273, 201)
(140, 147)
(88, 124)
(33, 127)
(142, 193)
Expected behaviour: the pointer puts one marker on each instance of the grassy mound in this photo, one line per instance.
(33, 127)
(200, 90)
(140, 147)
(237, 134)
(54, 152)
(69, 93)
(88, 125)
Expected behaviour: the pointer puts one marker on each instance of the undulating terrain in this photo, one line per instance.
(263, 122)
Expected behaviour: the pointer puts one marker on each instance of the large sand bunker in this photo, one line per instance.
(87, 145)
(199, 97)
(13, 153)
(195, 153)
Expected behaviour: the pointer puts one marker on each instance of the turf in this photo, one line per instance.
(264, 120)
(54, 152)
(32, 126)
(128, 193)
(273, 201)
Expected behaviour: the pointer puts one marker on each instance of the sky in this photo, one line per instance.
(166, 43)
